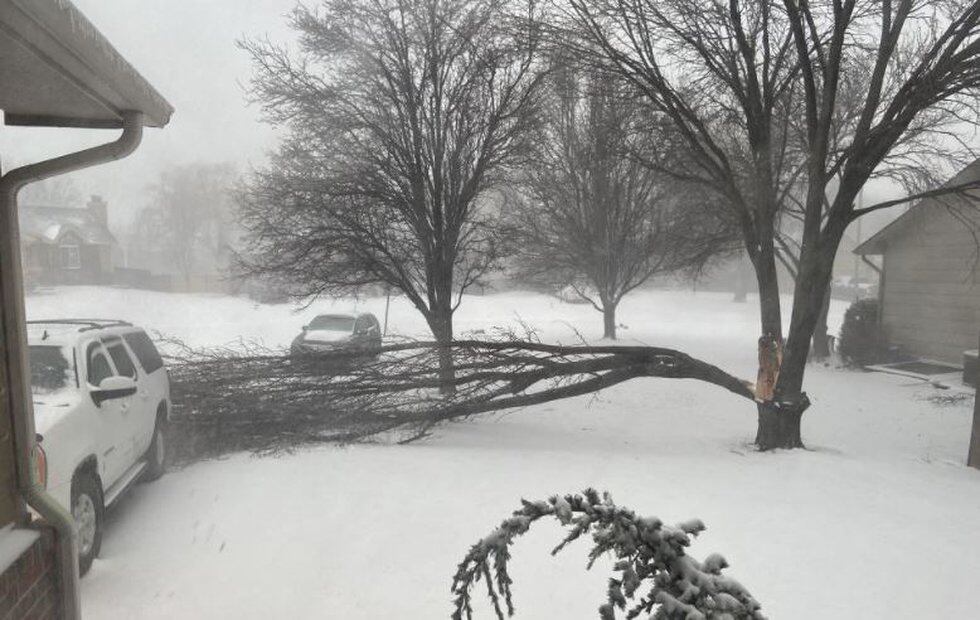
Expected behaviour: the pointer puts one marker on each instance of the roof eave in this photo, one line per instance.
(80, 60)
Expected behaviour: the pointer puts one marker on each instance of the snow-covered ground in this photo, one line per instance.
(877, 519)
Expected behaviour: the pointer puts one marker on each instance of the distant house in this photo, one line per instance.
(929, 289)
(67, 245)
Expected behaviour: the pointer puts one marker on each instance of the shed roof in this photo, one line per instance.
(875, 244)
(57, 70)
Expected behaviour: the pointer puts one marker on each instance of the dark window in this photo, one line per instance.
(333, 323)
(98, 365)
(71, 258)
(146, 353)
(121, 359)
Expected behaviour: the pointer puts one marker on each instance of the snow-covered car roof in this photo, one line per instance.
(351, 315)
(64, 332)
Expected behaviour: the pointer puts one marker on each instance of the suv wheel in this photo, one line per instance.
(156, 456)
(88, 512)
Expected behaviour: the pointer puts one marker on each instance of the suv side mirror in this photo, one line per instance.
(114, 387)
(305, 328)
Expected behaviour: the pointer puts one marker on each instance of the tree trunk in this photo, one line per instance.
(609, 320)
(774, 429)
(779, 419)
(441, 325)
(779, 426)
(741, 282)
(821, 342)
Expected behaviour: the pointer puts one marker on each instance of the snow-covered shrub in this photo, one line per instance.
(653, 574)
(860, 341)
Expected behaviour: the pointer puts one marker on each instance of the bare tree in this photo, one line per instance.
(401, 118)
(724, 72)
(60, 191)
(187, 225)
(598, 217)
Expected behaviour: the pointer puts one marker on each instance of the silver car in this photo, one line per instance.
(356, 332)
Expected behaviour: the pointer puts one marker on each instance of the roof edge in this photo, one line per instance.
(70, 43)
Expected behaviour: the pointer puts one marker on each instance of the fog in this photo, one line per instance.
(187, 51)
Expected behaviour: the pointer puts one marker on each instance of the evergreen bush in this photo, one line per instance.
(860, 340)
(653, 574)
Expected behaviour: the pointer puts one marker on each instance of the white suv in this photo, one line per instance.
(101, 405)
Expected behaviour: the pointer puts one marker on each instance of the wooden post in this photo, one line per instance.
(973, 457)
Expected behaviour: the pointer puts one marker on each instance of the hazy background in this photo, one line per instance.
(187, 51)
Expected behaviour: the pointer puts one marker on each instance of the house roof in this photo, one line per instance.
(50, 224)
(57, 70)
(877, 243)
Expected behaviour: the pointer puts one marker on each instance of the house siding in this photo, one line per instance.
(931, 298)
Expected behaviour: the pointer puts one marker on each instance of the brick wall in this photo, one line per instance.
(29, 588)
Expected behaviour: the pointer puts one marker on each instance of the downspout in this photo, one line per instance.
(15, 335)
(871, 264)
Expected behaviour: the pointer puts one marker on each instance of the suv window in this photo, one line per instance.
(121, 359)
(98, 364)
(146, 353)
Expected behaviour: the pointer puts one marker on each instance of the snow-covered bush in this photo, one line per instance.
(860, 341)
(648, 553)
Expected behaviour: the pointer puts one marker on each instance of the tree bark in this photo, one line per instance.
(741, 282)
(780, 417)
(770, 313)
(609, 320)
(441, 325)
(777, 427)
(821, 342)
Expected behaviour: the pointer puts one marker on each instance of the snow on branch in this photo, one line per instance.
(653, 574)
(256, 399)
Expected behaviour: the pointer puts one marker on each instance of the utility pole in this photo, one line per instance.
(387, 305)
(973, 457)
(857, 259)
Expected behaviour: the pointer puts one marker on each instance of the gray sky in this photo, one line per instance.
(186, 49)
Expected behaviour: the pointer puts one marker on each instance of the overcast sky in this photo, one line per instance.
(186, 49)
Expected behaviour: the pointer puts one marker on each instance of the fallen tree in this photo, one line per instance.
(257, 399)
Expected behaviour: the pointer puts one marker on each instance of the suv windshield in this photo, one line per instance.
(50, 369)
(333, 323)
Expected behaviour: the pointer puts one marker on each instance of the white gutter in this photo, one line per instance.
(15, 335)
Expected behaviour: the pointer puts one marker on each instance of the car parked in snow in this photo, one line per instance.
(101, 403)
(356, 332)
(576, 294)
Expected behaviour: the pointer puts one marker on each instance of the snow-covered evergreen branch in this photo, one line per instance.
(653, 573)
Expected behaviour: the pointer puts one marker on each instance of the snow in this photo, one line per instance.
(877, 519)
